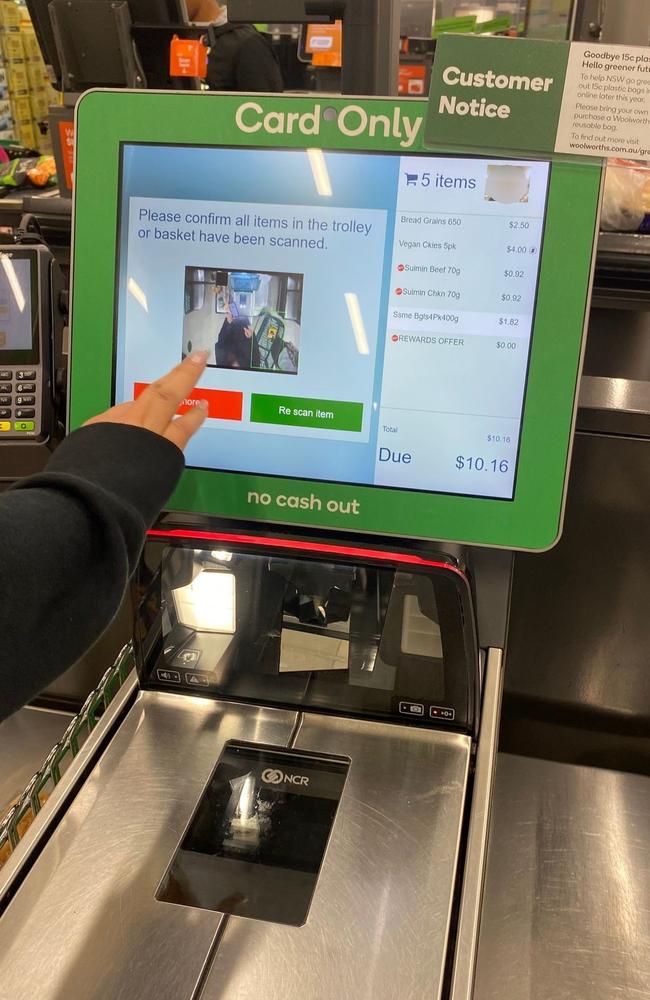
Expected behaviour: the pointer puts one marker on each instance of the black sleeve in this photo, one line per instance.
(71, 536)
(221, 71)
(257, 69)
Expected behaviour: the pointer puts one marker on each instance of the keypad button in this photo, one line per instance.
(25, 387)
(4, 413)
(25, 376)
(24, 400)
(5, 426)
(24, 426)
(6, 387)
(5, 374)
(23, 413)
(6, 400)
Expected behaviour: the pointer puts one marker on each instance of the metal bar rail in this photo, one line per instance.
(40, 786)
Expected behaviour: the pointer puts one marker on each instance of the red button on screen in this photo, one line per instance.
(222, 404)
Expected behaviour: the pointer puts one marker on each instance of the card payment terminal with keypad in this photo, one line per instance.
(26, 378)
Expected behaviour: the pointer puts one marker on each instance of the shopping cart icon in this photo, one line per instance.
(411, 180)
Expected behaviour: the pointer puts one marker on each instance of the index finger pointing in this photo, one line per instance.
(160, 400)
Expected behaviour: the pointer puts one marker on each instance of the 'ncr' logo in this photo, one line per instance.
(273, 776)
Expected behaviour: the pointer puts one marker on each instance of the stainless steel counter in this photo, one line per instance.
(26, 738)
(379, 921)
(566, 910)
(85, 922)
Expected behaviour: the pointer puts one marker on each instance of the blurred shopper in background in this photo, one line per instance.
(233, 346)
(241, 58)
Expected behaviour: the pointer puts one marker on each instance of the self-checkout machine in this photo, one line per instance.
(295, 802)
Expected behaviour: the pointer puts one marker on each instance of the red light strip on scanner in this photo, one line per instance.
(322, 548)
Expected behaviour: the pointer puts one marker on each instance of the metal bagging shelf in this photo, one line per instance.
(15, 824)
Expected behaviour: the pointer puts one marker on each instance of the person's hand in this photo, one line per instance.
(156, 407)
(248, 331)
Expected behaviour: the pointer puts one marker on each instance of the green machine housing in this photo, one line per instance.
(532, 519)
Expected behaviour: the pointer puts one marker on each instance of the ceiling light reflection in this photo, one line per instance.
(221, 555)
(137, 293)
(356, 319)
(320, 172)
(14, 284)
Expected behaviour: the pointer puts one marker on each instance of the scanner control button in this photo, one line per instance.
(196, 680)
(25, 376)
(189, 657)
(412, 708)
(25, 387)
(442, 712)
(169, 676)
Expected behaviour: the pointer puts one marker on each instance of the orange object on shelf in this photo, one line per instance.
(324, 44)
(411, 80)
(43, 172)
(66, 137)
(188, 57)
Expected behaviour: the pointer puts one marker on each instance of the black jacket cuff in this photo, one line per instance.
(134, 464)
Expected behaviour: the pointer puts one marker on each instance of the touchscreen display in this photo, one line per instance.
(16, 321)
(368, 316)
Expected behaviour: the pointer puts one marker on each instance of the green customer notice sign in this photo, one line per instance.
(521, 94)
(496, 93)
